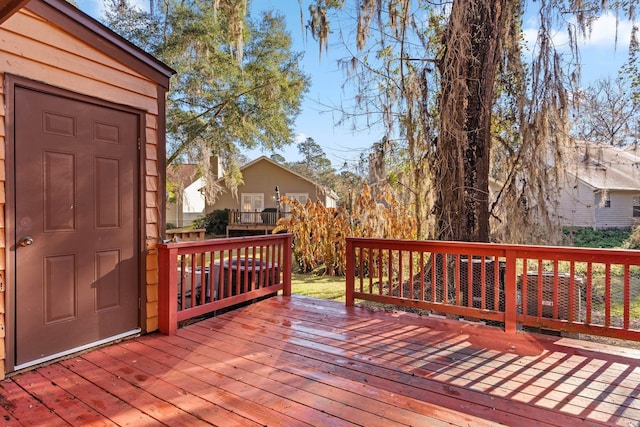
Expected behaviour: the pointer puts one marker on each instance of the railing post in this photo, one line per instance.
(168, 290)
(350, 270)
(510, 291)
(286, 268)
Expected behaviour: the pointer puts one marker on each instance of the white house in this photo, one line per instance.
(188, 201)
(601, 189)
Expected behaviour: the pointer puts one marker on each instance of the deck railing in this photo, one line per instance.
(577, 290)
(197, 278)
(186, 235)
(265, 217)
(252, 218)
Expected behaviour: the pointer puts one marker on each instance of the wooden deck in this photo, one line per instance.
(299, 361)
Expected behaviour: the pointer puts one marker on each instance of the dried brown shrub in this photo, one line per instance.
(319, 233)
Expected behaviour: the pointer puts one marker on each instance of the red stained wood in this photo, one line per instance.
(137, 397)
(66, 405)
(125, 363)
(21, 408)
(552, 292)
(300, 361)
(239, 251)
(98, 398)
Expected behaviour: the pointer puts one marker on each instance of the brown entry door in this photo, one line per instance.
(76, 215)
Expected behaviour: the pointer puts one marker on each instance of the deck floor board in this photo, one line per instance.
(509, 387)
(301, 361)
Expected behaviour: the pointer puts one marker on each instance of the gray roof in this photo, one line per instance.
(604, 167)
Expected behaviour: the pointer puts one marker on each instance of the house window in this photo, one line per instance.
(301, 197)
(252, 202)
(636, 206)
(605, 200)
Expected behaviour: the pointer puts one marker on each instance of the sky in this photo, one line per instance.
(601, 56)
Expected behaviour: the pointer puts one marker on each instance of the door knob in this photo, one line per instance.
(26, 241)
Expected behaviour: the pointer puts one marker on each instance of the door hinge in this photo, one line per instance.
(139, 143)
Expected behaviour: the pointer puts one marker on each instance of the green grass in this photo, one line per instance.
(324, 287)
(588, 238)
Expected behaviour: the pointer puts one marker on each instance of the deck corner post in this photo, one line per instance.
(288, 261)
(350, 272)
(168, 290)
(510, 315)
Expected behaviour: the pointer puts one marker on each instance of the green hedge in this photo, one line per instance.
(214, 222)
(584, 237)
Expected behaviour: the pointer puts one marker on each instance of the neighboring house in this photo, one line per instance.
(188, 203)
(193, 201)
(261, 177)
(82, 123)
(602, 188)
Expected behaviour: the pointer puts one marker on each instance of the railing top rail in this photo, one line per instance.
(228, 243)
(521, 251)
(178, 231)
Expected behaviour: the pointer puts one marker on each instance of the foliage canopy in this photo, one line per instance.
(238, 84)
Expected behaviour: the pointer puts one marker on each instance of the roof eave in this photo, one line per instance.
(9, 8)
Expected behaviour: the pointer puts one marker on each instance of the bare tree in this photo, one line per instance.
(607, 113)
(480, 114)
(395, 82)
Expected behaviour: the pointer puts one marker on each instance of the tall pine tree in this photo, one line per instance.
(238, 83)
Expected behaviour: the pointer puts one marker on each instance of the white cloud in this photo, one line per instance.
(95, 8)
(604, 30)
(301, 137)
(602, 35)
(140, 4)
(600, 53)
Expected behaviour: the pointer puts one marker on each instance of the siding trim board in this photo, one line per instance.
(9, 8)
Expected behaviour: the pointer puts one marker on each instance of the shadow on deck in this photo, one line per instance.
(301, 361)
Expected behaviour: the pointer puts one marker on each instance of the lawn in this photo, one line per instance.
(325, 287)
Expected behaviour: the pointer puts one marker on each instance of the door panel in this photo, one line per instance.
(107, 206)
(76, 200)
(59, 288)
(59, 191)
(107, 290)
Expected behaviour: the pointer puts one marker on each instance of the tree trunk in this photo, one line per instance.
(468, 68)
